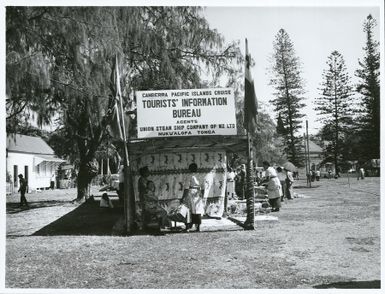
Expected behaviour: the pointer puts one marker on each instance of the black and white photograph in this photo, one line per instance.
(191, 145)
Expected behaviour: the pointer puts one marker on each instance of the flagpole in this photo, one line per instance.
(249, 223)
(128, 201)
(308, 151)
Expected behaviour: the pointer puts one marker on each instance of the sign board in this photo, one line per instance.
(192, 112)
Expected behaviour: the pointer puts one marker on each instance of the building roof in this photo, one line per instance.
(314, 148)
(28, 144)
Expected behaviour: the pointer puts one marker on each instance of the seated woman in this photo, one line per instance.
(181, 213)
(105, 202)
(152, 207)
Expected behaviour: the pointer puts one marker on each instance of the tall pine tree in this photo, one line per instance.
(369, 88)
(334, 106)
(288, 99)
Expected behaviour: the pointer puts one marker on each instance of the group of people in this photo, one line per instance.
(279, 184)
(315, 175)
(189, 211)
(236, 182)
(278, 181)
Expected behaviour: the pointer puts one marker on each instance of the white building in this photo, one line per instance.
(33, 158)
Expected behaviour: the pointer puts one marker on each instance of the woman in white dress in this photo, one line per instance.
(274, 188)
(194, 198)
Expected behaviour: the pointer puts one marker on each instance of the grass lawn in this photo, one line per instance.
(329, 238)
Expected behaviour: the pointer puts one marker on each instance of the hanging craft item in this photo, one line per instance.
(169, 172)
(206, 159)
(166, 161)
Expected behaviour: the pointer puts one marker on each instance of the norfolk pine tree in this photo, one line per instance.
(335, 105)
(369, 88)
(288, 86)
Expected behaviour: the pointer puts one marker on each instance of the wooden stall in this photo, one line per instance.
(168, 160)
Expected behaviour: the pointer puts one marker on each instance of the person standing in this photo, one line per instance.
(52, 184)
(22, 190)
(289, 184)
(240, 182)
(230, 184)
(362, 173)
(274, 189)
(194, 198)
(282, 179)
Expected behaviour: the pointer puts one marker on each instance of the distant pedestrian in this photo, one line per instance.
(52, 185)
(329, 173)
(312, 175)
(317, 175)
(289, 185)
(282, 178)
(22, 190)
(362, 173)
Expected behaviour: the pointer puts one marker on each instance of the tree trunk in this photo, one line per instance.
(108, 167)
(83, 182)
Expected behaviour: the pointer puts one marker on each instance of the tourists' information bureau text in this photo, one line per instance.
(192, 112)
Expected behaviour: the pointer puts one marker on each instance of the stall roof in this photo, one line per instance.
(193, 143)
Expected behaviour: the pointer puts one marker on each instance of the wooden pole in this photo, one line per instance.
(129, 201)
(249, 223)
(306, 163)
(308, 151)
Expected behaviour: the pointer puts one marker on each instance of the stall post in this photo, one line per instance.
(249, 223)
(129, 201)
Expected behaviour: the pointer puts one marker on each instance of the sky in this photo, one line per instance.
(316, 29)
(315, 33)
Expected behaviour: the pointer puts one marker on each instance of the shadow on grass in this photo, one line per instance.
(375, 284)
(87, 219)
(306, 187)
(15, 207)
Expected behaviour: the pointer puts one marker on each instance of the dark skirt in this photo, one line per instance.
(196, 218)
(275, 203)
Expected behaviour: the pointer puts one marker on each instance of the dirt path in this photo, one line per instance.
(329, 238)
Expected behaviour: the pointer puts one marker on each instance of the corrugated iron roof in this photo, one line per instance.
(28, 144)
(313, 147)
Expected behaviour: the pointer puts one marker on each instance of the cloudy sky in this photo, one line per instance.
(315, 32)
